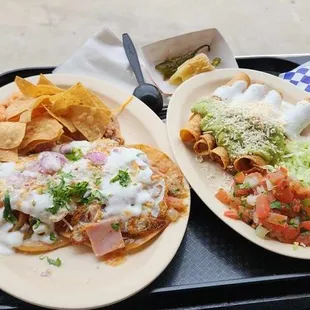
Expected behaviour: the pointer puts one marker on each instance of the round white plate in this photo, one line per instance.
(83, 281)
(206, 178)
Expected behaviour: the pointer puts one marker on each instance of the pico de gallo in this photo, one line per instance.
(271, 202)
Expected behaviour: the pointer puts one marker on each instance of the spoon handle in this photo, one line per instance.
(132, 56)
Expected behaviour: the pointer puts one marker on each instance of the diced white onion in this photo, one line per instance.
(261, 231)
(251, 200)
(173, 215)
(260, 190)
(269, 185)
(252, 180)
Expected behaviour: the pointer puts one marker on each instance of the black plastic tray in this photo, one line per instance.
(214, 267)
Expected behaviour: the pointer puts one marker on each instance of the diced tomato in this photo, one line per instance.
(235, 202)
(288, 211)
(223, 196)
(296, 205)
(242, 191)
(283, 192)
(239, 177)
(290, 233)
(233, 214)
(262, 206)
(175, 203)
(304, 238)
(305, 225)
(276, 177)
(300, 191)
(277, 219)
(307, 210)
(270, 197)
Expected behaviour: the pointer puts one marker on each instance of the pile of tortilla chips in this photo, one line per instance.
(45, 114)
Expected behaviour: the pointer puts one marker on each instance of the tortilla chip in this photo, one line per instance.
(34, 247)
(77, 95)
(165, 165)
(9, 155)
(65, 121)
(35, 110)
(91, 122)
(19, 106)
(43, 128)
(65, 139)
(11, 134)
(43, 80)
(31, 90)
(96, 100)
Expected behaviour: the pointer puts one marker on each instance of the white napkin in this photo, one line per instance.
(102, 56)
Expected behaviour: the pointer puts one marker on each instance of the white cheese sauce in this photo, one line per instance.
(128, 201)
(27, 184)
(295, 118)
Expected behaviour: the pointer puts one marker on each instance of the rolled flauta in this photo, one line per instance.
(204, 145)
(297, 119)
(247, 162)
(220, 155)
(234, 88)
(191, 132)
(274, 98)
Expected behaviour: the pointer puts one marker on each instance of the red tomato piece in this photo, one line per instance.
(276, 177)
(242, 191)
(305, 225)
(239, 177)
(223, 196)
(233, 214)
(262, 206)
(283, 192)
(304, 238)
(235, 202)
(290, 233)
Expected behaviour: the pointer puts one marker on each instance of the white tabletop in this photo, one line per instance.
(41, 32)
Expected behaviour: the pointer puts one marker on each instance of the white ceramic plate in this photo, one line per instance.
(206, 178)
(83, 281)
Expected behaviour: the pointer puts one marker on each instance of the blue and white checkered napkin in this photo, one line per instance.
(300, 76)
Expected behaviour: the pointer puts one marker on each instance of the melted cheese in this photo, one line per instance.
(27, 183)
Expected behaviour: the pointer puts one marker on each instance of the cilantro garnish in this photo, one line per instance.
(75, 154)
(97, 181)
(95, 195)
(115, 226)
(8, 213)
(122, 177)
(55, 262)
(245, 185)
(53, 236)
(293, 222)
(36, 223)
(65, 175)
(275, 205)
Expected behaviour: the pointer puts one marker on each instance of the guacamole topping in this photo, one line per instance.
(241, 130)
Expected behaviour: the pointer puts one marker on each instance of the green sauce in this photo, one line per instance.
(240, 132)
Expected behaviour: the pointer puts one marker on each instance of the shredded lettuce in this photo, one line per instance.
(297, 160)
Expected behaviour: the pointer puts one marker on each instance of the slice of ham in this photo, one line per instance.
(104, 238)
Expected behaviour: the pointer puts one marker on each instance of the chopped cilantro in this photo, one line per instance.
(53, 236)
(79, 189)
(306, 202)
(95, 195)
(61, 196)
(74, 155)
(294, 222)
(123, 177)
(275, 205)
(174, 191)
(36, 223)
(55, 262)
(245, 185)
(115, 226)
(8, 213)
(97, 181)
(65, 175)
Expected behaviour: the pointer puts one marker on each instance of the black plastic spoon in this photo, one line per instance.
(147, 93)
